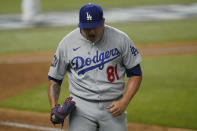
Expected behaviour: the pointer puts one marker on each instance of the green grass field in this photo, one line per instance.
(168, 92)
(14, 6)
(167, 95)
(42, 39)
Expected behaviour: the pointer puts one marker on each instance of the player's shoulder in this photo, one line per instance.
(73, 35)
(115, 31)
(116, 34)
(70, 37)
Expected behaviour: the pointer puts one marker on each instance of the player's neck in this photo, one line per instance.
(100, 37)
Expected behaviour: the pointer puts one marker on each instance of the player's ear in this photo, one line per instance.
(103, 20)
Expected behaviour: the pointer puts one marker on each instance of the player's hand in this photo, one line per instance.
(60, 112)
(117, 108)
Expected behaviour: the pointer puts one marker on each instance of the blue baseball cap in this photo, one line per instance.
(90, 16)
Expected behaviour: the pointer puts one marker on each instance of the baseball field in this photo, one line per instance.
(166, 100)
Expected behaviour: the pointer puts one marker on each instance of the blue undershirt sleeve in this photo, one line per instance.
(135, 71)
(56, 80)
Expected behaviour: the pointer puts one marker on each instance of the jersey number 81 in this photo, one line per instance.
(112, 73)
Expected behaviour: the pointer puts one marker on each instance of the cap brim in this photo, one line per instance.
(90, 25)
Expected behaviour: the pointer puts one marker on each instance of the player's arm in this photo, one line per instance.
(58, 112)
(134, 80)
(53, 91)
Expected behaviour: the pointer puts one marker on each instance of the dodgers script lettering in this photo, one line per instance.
(83, 65)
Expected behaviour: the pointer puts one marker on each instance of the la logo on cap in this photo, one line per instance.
(88, 16)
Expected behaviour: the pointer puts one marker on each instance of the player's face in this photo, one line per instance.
(93, 34)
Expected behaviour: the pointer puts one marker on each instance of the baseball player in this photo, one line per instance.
(96, 58)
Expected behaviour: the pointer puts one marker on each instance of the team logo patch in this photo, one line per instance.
(55, 61)
(134, 51)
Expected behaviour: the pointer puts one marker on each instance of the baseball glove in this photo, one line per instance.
(60, 112)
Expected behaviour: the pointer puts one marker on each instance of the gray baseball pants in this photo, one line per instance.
(93, 116)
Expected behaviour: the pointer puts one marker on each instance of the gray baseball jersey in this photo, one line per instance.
(96, 71)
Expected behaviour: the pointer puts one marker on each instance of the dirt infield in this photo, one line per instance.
(19, 72)
(42, 119)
